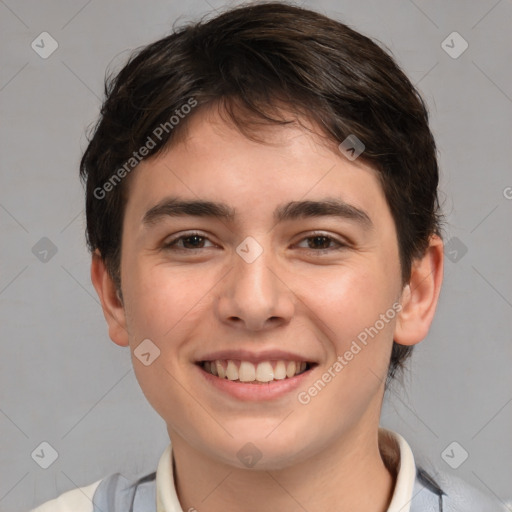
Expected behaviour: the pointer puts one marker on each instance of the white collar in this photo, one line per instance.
(167, 498)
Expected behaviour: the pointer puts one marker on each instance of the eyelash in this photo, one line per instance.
(171, 245)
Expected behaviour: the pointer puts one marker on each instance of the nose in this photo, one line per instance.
(255, 295)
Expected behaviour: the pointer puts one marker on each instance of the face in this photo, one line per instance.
(280, 281)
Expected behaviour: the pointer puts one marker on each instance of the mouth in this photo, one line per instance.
(264, 372)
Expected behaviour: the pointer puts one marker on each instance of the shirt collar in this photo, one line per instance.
(394, 449)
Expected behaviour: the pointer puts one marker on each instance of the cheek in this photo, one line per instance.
(161, 299)
(164, 306)
(348, 299)
(355, 321)
(358, 345)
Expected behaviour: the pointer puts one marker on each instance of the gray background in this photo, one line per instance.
(64, 382)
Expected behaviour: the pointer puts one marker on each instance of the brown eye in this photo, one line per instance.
(319, 242)
(322, 243)
(187, 242)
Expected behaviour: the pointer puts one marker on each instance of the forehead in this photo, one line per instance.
(211, 124)
(212, 160)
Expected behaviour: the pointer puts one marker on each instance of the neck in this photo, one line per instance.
(355, 474)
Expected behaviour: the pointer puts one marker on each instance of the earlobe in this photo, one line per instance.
(111, 301)
(420, 296)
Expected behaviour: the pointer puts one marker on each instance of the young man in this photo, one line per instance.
(263, 217)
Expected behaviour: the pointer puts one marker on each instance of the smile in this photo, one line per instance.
(262, 372)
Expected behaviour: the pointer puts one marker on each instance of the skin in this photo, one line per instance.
(320, 456)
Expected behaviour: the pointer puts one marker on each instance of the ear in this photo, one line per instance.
(419, 297)
(112, 306)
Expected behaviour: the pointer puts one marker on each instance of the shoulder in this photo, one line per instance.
(77, 500)
(454, 493)
(114, 493)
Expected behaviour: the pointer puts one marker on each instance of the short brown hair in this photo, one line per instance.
(249, 60)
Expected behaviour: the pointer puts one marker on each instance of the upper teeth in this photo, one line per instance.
(246, 371)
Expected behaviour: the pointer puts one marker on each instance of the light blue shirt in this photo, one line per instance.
(415, 489)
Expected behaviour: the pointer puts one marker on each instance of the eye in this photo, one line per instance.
(317, 243)
(188, 241)
(320, 242)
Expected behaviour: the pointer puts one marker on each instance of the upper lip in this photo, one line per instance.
(254, 357)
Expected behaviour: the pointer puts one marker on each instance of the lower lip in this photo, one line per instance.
(256, 392)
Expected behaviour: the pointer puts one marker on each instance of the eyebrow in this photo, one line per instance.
(329, 207)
